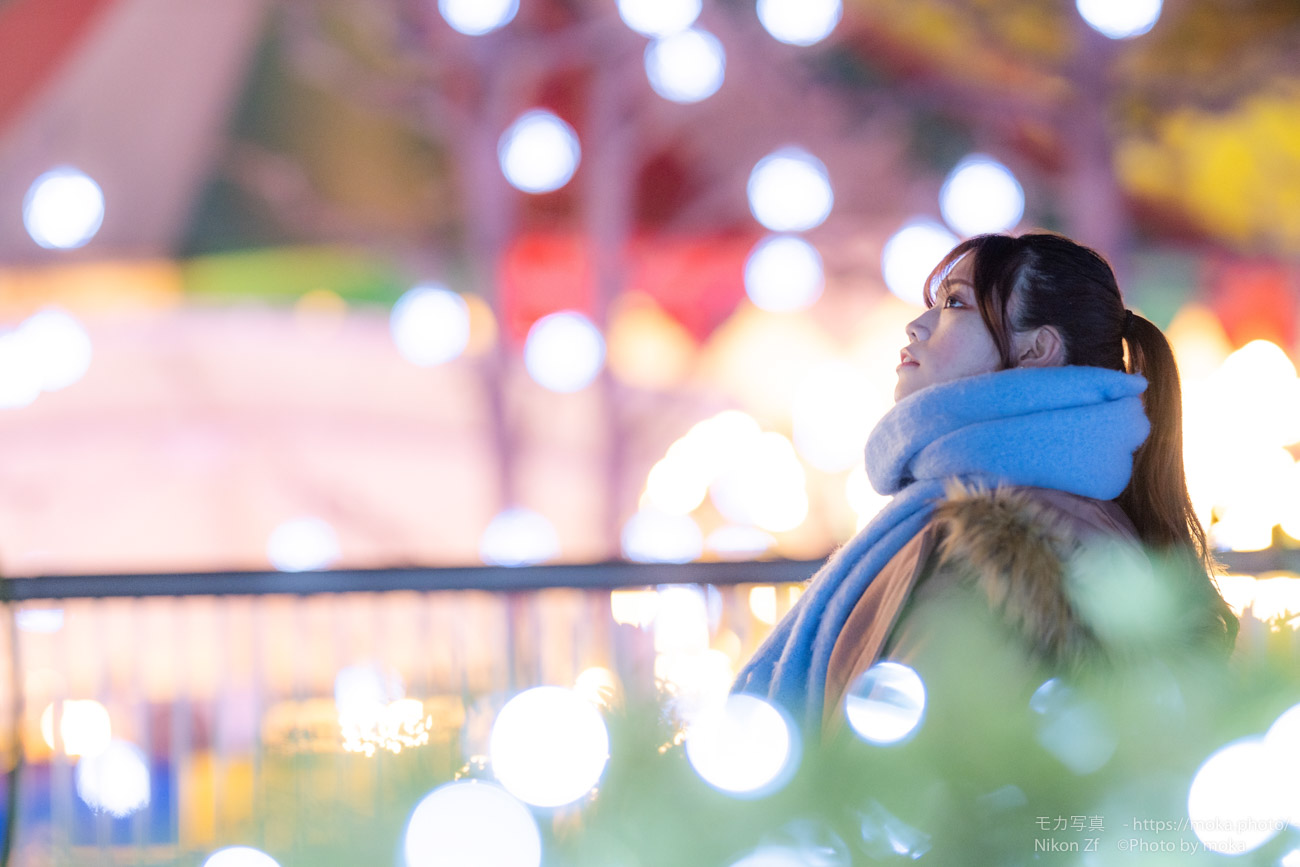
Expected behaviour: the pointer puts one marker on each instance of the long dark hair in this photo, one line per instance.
(1046, 279)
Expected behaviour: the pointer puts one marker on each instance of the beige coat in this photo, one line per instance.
(1007, 548)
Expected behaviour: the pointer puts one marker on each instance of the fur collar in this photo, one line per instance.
(1015, 548)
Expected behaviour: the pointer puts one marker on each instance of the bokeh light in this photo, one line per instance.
(1120, 19)
(1071, 727)
(687, 66)
(518, 537)
(57, 346)
(861, 497)
(652, 536)
(1235, 803)
(830, 424)
(633, 607)
(596, 685)
(762, 603)
(789, 191)
(911, 254)
(762, 484)
(63, 209)
(775, 856)
(738, 542)
(1238, 421)
(886, 703)
(477, 17)
(1282, 740)
(430, 325)
(681, 622)
(549, 746)
(647, 348)
(471, 822)
(981, 195)
(695, 681)
(539, 152)
(784, 273)
(302, 544)
(362, 691)
(115, 781)
(799, 22)
(84, 727)
(20, 379)
(240, 856)
(564, 352)
(659, 17)
(678, 483)
(44, 621)
(742, 746)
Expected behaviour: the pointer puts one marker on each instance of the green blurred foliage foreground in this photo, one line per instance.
(1094, 768)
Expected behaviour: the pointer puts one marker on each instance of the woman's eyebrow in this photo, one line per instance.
(945, 287)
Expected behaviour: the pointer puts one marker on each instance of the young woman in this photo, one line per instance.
(1034, 415)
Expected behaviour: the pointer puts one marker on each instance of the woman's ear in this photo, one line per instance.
(1040, 347)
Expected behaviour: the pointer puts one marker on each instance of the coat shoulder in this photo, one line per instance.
(1013, 545)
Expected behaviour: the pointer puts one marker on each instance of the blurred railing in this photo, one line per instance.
(152, 719)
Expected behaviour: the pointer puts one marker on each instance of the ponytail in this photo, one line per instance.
(1156, 499)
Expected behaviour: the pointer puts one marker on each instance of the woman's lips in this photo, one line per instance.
(905, 364)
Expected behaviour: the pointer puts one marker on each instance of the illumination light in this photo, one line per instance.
(549, 746)
(886, 703)
(115, 781)
(830, 431)
(63, 209)
(240, 856)
(697, 680)
(763, 484)
(1283, 741)
(981, 195)
(596, 685)
(652, 536)
(470, 822)
(302, 544)
(659, 17)
(784, 273)
(762, 604)
(564, 352)
(430, 325)
(44, 621)
(84, 727)
(681, 619)
(742, 746)
(678, 483)
(789, 191)
(539, 152)
(776, 856)
(20, 379)
(58, 346)
(911, 254)
(799, 22)
(477, 17)
(1071, 727)
(1236, 801)
(738, 542)
(687, 66)
(518, 537)
(1120, 19)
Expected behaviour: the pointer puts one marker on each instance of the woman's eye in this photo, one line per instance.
(952, 301)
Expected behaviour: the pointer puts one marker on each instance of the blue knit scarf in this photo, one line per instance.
(1071, 428)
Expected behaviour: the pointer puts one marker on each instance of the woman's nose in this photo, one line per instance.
(915, 330)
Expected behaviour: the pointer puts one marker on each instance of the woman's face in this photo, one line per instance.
(949, 341)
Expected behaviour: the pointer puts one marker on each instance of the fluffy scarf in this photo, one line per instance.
(1071, 428)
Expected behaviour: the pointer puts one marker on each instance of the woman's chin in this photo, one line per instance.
(906, 384)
